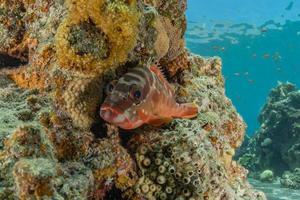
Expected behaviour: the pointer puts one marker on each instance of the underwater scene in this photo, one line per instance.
(149, 100)
(259, 43)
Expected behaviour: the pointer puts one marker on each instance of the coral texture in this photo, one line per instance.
(53, 144)
(276, 144)
(291, 179)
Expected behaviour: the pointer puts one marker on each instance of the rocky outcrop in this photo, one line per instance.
(59, 148)
(291, 179)
(276, 145)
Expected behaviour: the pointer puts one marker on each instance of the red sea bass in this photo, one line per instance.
(143, 96)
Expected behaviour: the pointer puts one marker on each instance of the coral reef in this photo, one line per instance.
(33, 178)
(53, 144)
(275, 145)
(110, 26)
(291, 179)
(18, 106)
(184, 164)
(266, 176)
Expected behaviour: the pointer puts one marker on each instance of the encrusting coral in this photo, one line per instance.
(183, 164)
(276, 144)
(110, 26)
(53, 144)
(291, 179)
(18, 106)
(34, 176)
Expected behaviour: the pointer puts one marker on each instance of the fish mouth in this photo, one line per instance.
(114, 116)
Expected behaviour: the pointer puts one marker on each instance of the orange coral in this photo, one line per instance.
(36, 74)
(177, 65)
(26, 78)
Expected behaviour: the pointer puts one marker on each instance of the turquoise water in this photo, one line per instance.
(273, 191)
(258, 41)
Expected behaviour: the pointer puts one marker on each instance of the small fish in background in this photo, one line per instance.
(246, 74)
(237, 74)
(218, 48)
(266, 56)
(276, 56)
(290, 6)
(263, 30)
(143, 96)
(251, 81)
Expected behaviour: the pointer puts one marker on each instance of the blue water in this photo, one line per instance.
(274, 191)
(258, 41)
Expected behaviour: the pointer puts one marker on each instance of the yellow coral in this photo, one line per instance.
(106, 173)
(177, 42)
(81, 99)
(123, 181)
(117, 20)
(162, 43)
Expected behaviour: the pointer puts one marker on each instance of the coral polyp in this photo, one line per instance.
(113, 30)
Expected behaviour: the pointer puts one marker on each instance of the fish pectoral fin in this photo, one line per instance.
(159, 122)
(188, 110)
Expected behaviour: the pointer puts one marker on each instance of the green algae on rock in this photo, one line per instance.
(291, 179)
(17, 107)
(266, 176)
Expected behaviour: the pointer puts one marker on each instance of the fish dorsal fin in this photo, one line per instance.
(158, 72)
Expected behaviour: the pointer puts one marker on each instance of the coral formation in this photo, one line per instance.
(291, 179)
(18, 106)
(33, 178)
(266, 176)
(275, 145)
(110, 26)
(53, 144)
(81, 98)
(184, 164)
(12, 28)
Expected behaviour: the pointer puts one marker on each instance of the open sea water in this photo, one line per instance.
(259, 43)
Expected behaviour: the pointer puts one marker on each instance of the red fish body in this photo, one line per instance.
(143, 96)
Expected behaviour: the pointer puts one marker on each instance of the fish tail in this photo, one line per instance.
(188, 110)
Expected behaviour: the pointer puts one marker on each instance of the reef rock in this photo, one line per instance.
(291, 179)
(53, 144)
(266, 176)
(276, 145)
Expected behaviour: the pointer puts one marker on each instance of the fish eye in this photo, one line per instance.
(110, 87)
(136, 93)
